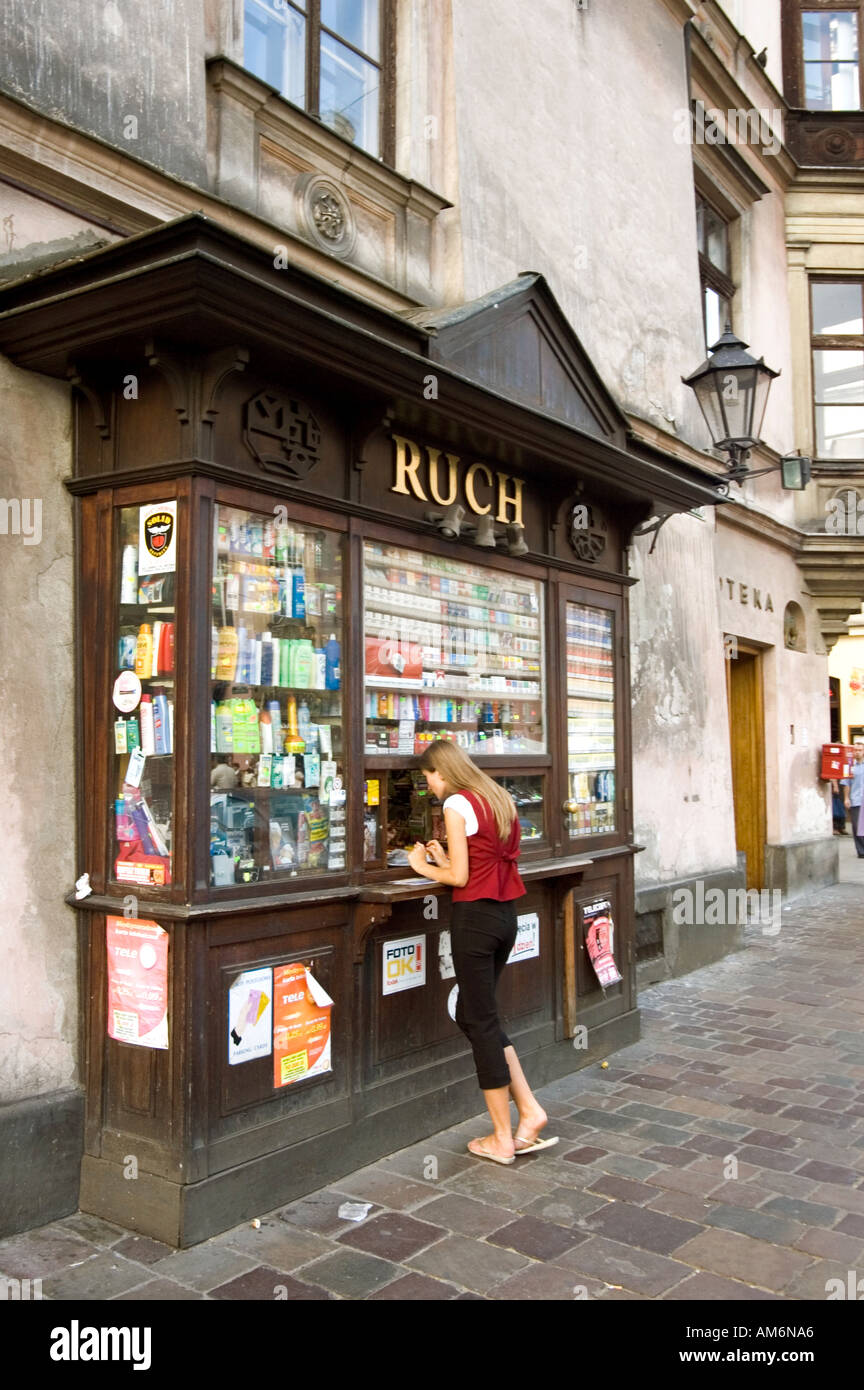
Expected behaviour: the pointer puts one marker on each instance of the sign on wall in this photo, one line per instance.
(527, 941)
(250, 1016)
(301, 1025)
(137, 982)
(403, 964)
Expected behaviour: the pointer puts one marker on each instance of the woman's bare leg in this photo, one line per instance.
(500, 1142)
(532, 1116)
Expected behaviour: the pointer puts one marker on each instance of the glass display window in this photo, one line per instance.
(277, 797)
(590, 720)
(452, 650)
(144, 695)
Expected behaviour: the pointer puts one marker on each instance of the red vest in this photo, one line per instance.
(492, 871)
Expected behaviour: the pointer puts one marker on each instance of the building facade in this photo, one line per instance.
(668, 167)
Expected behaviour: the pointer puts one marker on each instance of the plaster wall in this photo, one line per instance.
(589, 182)
(751, 575)
(682, 781)
(38, 951)
(130, 73)
(759, 22)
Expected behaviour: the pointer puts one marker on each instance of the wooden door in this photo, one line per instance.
(747, 744)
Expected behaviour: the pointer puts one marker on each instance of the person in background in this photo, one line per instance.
(855, 798)
(483, 841)
(838, 804)
(224, 776)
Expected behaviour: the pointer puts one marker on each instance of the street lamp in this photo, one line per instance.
(732, 390)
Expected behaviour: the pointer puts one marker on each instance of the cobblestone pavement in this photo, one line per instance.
(719, 1158)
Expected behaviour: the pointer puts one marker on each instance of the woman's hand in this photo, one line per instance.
(417, 859)
(436, 850)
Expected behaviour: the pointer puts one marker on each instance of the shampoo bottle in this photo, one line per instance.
(226, 663)
(129, 579)
(161, 736)
(148, 739)
(332, 652)
(144, 652)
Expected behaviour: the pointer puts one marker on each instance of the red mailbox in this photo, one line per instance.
(836, 761)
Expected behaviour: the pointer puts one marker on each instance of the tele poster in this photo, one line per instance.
(403, 964)
(157, 538)
(600, 940)
(137, 982)
(250, 1016)
(301, 1025)
(527, 941)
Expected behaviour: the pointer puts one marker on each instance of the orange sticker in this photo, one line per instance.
(301, 1025)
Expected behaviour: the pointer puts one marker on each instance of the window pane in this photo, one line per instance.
(837, 308)
(274, 47)
(354, 20)
(716, 316)
(590, 720)
(716, 239)
(277, 804)
(838, 377)
(831, 60)
(452, 651)
(144, 696)
(349, 94)
(840, 431)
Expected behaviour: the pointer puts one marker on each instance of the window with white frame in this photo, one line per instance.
(837, 308)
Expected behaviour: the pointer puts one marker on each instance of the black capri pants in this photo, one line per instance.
(483, 935)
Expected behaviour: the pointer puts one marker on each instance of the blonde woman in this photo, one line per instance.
(483, 841)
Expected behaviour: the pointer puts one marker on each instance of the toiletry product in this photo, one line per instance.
(226, 663)
(120, 736)
(292, 729)
(133, 735)
(298, 594)
(303, 721)
(276, 772)
(129, 579)
(170, 726)
(265, 768)
(332, 651)
(276, 724)
(144, 652)
(224, 728)
(160, 724)
(148, 739)
(157, 638)
(325, 740)
(166, 649)
(311, 769)
(266, 673)
(126, 651)
(266, 735)
(303, 655)
(320, 669)
(214, 651)
(276, 669)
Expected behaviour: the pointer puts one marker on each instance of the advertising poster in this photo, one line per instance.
(301, 1025)
(600, 940)
(250, 1016)
(527, 941)
(403, 964)
(157, 538)
(137, 982)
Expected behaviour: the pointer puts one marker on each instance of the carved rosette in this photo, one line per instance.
(587, 533)
(326, 214)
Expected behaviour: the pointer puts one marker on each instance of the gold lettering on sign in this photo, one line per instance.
(452, 477)
(406, 470)
(469, 488)
(504, 501)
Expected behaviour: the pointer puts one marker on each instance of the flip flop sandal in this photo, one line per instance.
(493, 1158)
(535, 1145)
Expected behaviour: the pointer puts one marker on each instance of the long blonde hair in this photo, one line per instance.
(461, 775)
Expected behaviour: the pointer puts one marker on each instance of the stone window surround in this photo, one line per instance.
(275, 160)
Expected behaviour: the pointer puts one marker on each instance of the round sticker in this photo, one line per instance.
(127, 692)
(147, 956)
(451, 1002)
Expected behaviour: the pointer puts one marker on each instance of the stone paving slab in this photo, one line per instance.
(759, 1058)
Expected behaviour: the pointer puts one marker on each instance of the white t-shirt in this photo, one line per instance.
(460, 803)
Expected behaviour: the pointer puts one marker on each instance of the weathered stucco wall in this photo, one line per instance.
(682, 780)
(130, 73)
(38, 953)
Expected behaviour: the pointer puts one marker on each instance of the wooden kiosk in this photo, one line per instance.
(313, 535)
